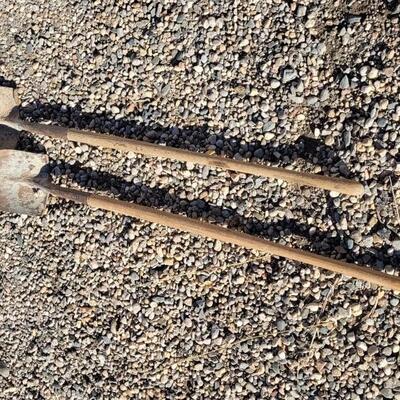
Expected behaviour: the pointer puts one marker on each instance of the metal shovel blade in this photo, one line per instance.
(9, 101)
(8, 137)
(19, 173)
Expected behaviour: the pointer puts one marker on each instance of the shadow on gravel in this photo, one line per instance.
(310, 237)
(6, 82)
(194, 138)
(198, 138)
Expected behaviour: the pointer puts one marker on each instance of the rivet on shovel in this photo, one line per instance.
(9, 104)
(26, 185)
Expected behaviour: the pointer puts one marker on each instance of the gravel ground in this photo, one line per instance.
(100, 306)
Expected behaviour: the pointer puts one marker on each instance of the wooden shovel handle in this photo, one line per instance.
(339, 185)
(225, 235)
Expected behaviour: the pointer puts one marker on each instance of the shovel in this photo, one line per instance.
(9, 104)
(26, 185)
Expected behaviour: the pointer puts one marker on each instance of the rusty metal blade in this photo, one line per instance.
(8, 137)
(18, 191)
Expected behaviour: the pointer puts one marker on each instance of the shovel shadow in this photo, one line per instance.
(201, 138)
(194, 138)
(315, 240)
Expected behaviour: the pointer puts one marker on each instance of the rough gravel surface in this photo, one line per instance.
(99, 306)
